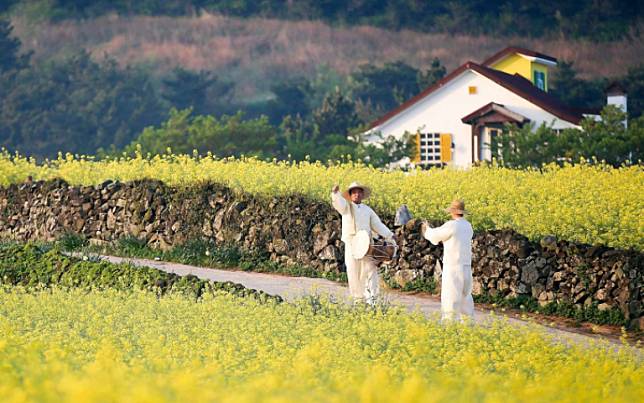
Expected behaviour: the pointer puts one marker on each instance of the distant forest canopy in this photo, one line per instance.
(599, 20)
(80, 104)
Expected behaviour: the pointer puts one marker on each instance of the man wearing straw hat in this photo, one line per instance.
(362, 273)
(456, 284)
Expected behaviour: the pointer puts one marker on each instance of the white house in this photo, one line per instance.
(461, 114)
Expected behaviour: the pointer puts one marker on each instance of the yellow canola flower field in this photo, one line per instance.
(594, 204)
(102, 346)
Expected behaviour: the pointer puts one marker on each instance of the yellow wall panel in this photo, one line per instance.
(515, 64)
(416, 157)
(446, 147)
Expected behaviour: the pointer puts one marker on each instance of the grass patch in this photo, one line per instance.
(420, 284)
(72, 241)
(204, 253)
(36, 265)
(564, 309)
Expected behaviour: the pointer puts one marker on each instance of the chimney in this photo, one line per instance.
(616, 95)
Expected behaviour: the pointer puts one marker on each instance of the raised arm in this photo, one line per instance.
(440, 234)
(339, 203)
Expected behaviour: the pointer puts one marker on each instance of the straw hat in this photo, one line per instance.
(356, 185)
(457, 206)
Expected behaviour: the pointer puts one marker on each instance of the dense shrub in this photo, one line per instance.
(33, 265)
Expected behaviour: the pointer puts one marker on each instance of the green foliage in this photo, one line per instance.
(334, 132)
(573, 91)
(387, 86)
(6, 5)
(192, 252)
(81, 106)
(435, 72)
(380, 151)
(606, 139)
(227, 136)
(131, 246)
(605, 20)
(298, 139)
(634, 85)
(425, 284)
(590, 93)
(201, 91)
(72, 241)
(201, 252)
(322, 135)
(10, 57)
(559, 308)
(336, 115)
(75, 105)
(420, 284)
(294, 97)
(32, 265)
(587, 314)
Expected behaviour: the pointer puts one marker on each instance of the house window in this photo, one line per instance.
(430, 148)
(540, 80)
(471, 90)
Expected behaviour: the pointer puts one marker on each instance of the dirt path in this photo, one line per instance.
(292, 288)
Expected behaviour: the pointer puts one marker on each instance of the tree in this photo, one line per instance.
(224, 137)
(598, 20)
(75, 105)
(526, 146)
(634, 83)
(435, 72)
(337, 115)
(381, 151)
(5, 5)
(298, 140)
(573, 91)
(201, 91)
(609, 140)
(10, 57)
(292, 97)
(606, 139)
(387, 86)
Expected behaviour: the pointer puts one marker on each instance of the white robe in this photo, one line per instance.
(456, 283)
(361, 273)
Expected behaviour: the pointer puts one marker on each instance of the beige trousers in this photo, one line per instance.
(364, 282)
(456, 292)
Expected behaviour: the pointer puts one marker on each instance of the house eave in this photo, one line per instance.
(539, 60)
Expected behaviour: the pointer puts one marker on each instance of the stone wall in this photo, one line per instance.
(294, 230)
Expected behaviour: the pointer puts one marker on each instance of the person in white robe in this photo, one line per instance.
(364, 281)
(456, 283)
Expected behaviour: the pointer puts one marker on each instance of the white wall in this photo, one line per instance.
(442, 110)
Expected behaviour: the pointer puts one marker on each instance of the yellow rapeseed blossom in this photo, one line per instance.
(594, 204)
(90, 346)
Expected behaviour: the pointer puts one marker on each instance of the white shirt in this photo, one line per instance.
(365, 219)
(456, 236)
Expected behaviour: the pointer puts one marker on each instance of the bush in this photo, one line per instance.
(33, 265)
(559, 308)
(71, 241)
